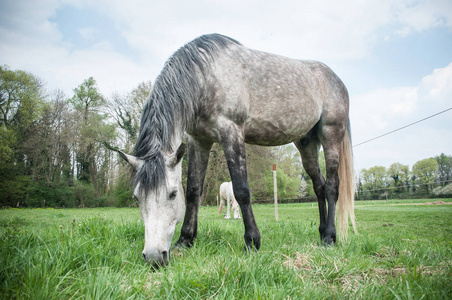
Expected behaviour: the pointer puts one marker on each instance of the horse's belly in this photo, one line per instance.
(281, 121)
(277, 131)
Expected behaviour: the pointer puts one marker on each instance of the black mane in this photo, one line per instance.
(172, 103)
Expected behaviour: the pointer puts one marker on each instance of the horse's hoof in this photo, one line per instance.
(183, 243)
(178, 247)
(329, 241)
(252, 245)
(247, 249)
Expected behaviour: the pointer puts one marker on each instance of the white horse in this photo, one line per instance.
(226, 193)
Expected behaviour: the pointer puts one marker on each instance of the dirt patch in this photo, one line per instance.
(397, 204)
(434, 203)
(301, 261)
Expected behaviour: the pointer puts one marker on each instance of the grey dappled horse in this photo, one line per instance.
(219, 91)
(227, 200)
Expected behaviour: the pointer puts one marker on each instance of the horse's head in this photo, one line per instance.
(161, 208)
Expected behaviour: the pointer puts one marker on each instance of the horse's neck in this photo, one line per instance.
(177, 136)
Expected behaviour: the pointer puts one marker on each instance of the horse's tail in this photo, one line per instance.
(346, 201)
(221, 207)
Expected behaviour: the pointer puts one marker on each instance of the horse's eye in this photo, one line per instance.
(172, 195)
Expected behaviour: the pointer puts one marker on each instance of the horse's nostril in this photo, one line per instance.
(165, 256)
(144, 257)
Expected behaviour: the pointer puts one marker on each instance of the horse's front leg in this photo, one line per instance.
(198, 158)
(233, 143)
(228, 213)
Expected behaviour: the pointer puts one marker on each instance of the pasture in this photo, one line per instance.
(402, 251)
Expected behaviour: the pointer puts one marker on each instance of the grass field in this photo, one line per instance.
(402, 251)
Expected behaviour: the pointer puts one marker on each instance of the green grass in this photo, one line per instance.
(402, 251)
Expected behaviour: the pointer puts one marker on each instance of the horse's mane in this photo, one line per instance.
(172, 103)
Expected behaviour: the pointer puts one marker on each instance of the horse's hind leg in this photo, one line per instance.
(309, 150)
(198, 158)
(233, 144)
(332, 139)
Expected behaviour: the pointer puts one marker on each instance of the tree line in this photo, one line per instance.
(53, 152)
(430, 176)
(53, 147)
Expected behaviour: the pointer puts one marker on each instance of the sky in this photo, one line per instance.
(394, 56)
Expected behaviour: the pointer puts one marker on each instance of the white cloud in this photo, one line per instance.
(336, 31)
(89, 33)
(299, 29)
(33, 43)
(417, 16)
(438, 86)
(383, 110)
(373, 112)
(324, 30)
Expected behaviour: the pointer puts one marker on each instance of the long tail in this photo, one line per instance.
(221, 207)
(346, 202)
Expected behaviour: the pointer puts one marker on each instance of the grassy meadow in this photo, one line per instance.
(403, 251)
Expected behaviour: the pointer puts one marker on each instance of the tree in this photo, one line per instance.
(426, 171)
(260, 160)
(374, 180)
(21, 101)
(86, 101)
(288, 159)
(444, 168)
(7, 144)
(50, 152)
(287, 186)
(126, 111)
(289, 171)
(405, 176)
(398, 173)
(20, 92)
(92, 131)
(217, 173)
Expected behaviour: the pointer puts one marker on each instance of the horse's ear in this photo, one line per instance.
(177, 156)
(132, 160)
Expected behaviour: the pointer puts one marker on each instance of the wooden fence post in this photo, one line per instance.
(275, 188)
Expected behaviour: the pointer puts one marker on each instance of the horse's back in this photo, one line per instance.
(276, 99)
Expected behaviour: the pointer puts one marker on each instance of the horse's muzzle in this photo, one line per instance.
(157, 259)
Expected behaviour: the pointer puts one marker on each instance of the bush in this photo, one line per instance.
(84, 195)
(122, 195)
(50, 195)
(443, 191)
(42, 194)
